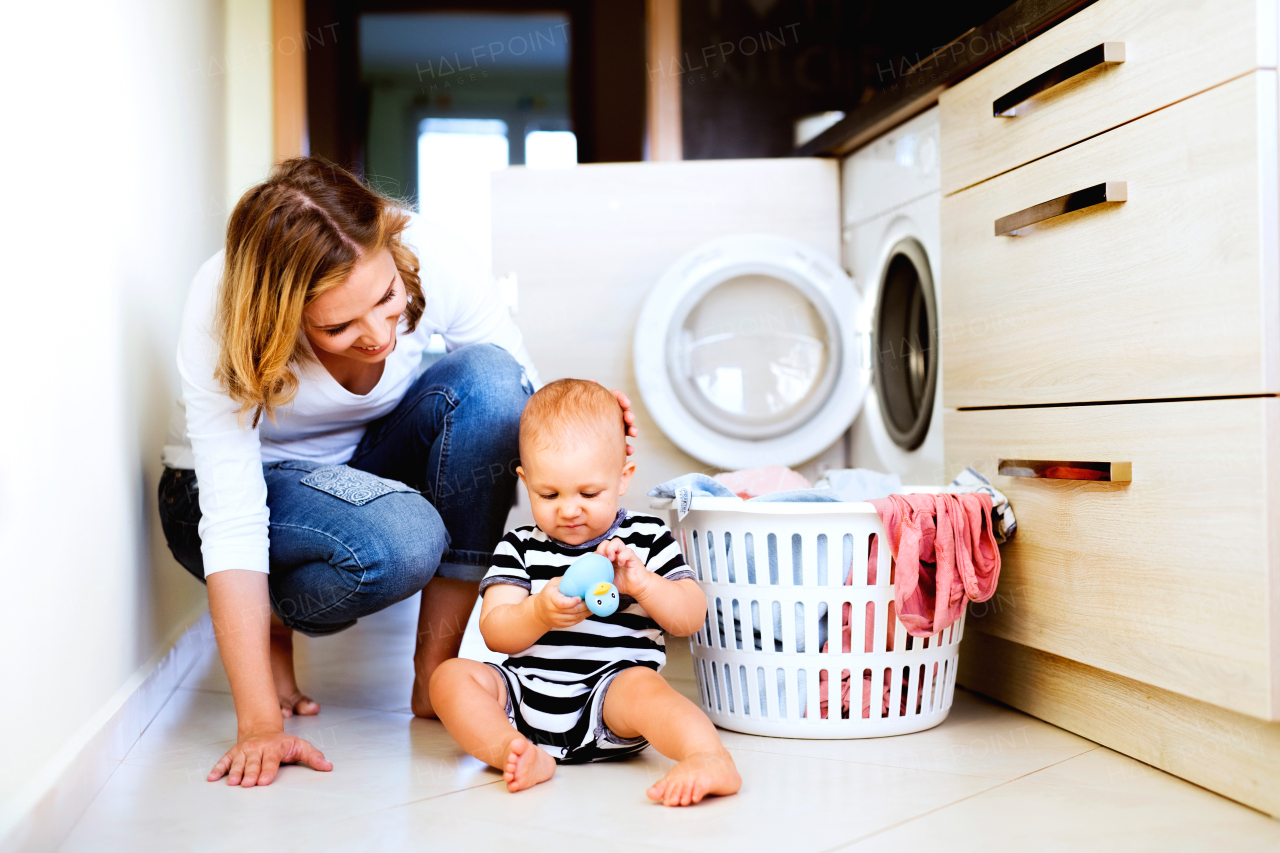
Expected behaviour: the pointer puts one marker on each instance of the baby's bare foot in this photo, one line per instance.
(527, 765)
(696, 777)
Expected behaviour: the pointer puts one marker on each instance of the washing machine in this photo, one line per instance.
(757, 350)
(891, 193)
(748, 352)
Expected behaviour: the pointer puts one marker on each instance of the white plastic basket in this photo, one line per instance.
(767, 564)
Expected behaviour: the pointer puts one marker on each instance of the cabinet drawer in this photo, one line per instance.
(1165, 579)
(1170, 294)
(1173, 49)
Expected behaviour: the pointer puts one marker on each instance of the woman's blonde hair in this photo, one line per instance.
(289, 240)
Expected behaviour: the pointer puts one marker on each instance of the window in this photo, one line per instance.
(455, 158)
(550, 149)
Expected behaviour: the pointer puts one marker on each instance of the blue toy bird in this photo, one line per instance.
(590, 577)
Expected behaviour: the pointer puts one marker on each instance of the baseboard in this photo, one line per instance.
(48, 806)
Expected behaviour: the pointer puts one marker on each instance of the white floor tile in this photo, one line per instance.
(987, 779)
(440, 831)
(978, 738)
(787, 803)
(160, 800)
(1099, 801)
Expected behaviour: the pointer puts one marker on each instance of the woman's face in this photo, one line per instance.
(357, 319)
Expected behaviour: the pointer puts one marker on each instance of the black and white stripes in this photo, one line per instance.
(558, 673)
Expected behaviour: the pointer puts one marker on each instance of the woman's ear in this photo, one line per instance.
(624, 479)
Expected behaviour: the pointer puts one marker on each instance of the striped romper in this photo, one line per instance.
(556, 687)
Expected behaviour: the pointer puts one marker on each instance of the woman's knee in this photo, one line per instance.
(410, 539)
(494, 381)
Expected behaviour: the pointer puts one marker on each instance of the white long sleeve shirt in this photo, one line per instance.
(325, 422)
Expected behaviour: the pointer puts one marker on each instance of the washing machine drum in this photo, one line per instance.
(746, 352)
(903, 336)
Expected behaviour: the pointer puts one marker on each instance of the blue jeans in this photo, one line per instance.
(453, 438)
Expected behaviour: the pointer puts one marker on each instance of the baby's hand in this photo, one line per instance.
(556, 610)
(629, 574)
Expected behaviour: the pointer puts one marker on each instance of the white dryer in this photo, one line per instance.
(891, 200)
(748, 352)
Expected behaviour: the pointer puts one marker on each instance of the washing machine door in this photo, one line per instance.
(902, 324)
(903, 331)
(746, 352)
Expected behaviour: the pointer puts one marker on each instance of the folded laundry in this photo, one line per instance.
(860, 484)
(799, 496)
(685, 488)
(754, 482)
(697, 484)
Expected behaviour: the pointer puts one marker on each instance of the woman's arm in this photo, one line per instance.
(235, 548)
(241, 611)
(512, 620)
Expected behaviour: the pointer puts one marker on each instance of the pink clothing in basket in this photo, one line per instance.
(945, 554)
(754, 482)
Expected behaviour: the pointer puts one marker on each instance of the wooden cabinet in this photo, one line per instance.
(1172, 50)
(1163, 579)
(1169, 294)
(1142, 613)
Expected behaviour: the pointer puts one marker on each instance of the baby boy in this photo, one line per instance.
(578, 687)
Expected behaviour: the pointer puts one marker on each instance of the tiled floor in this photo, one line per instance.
(987, 779)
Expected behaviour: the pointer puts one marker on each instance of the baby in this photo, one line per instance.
(577, 687)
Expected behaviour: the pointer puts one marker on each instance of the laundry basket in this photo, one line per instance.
(774, 576)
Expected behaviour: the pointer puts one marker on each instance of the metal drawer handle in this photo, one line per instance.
(1102, 472)
(1111, 191)
(1006, 106)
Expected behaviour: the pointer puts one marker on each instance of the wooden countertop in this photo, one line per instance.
(909, 90)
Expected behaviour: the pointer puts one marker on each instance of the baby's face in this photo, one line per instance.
(574, 490)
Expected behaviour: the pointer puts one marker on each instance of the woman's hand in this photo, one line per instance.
(629, 418)
(629, 574)
(256, 758)
(556, 610)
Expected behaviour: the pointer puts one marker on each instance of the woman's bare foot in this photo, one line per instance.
(696, 777)
(442, 620)
(420, 702)
(527, 765)
(292, 700)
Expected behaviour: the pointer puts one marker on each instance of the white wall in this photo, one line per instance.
(249, 127)
(115, 191)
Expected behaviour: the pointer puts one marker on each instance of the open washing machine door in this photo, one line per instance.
(747, 352)
(900, 320)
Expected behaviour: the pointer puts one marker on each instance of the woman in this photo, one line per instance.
(320, 474)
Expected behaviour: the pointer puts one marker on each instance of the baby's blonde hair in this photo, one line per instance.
(570, 411)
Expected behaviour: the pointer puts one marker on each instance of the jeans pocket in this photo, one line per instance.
(352, 485)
